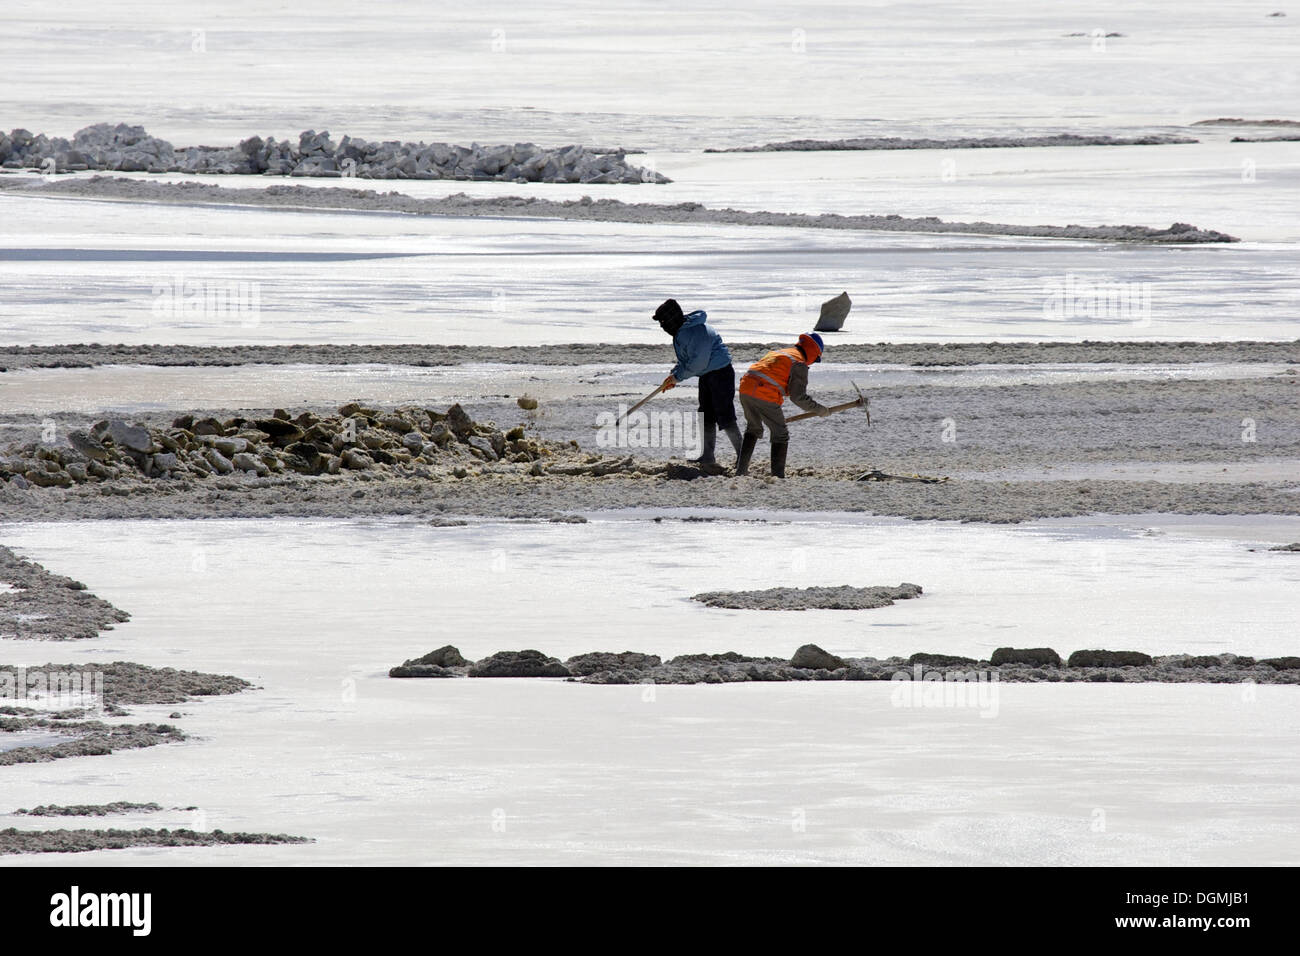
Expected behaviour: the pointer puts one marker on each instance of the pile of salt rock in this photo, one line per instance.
(407, 439)
(126, 148)
(810, 662)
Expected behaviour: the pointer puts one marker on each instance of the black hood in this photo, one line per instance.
(670, 317)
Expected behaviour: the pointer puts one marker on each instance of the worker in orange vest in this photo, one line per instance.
(778, 375)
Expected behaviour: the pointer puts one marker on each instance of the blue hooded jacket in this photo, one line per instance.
(699, 349)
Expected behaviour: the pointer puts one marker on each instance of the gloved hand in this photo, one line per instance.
(823, 412)
(669, 382)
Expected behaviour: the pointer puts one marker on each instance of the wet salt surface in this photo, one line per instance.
(502, 281)
(1281, 469)
(143, 388)
(22, 738)
(1120, 584)
(412, 771)
(482, 772)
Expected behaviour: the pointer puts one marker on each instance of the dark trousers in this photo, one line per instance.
(718, 396)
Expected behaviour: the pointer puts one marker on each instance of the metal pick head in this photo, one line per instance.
(863, 401)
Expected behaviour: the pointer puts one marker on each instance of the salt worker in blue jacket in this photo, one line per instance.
(701, 352)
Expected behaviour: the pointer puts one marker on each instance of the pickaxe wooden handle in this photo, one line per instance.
(859, 402)
(639, 404)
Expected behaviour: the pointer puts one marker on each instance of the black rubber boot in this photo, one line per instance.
(746, 453)
(779, 448)
(732, 432)
(708, 445)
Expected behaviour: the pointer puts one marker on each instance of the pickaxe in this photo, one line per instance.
(860, 402)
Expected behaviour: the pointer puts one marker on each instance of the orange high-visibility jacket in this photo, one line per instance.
(768, 379)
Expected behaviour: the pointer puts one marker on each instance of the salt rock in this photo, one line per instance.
(584, 664)
(356, 460)
(421, 670)
(1025, 655)
(87, 446)
(445, 656)
(1108, 659)
(310, 454)
(941, 660)
(246, 462)
(482, 445)
(278, 428)
(528, 663)
(230, 446)
(49, 479)
(219, 462)
(812, 657)
(130, 436)
(461, 425)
